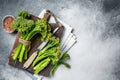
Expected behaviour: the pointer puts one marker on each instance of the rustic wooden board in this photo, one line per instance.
(34, 45)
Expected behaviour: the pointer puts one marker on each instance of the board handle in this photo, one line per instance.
(47, 15)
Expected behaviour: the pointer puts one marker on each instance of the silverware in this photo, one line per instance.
(32, 57)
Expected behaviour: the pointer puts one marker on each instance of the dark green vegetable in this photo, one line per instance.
(62, 60)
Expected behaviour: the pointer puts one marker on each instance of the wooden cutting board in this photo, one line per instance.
(35, 42)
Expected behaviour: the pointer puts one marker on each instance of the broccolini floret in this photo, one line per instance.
(24, 14)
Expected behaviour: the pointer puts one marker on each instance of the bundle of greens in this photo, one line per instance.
(48, 55)
(51, 52)
(28, 28)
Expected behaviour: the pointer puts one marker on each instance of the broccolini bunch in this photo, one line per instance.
(28, 28)
(50, 54)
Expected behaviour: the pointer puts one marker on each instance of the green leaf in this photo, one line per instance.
(65, 56)
(66, 64)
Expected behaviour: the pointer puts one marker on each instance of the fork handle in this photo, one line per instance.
(30, 60)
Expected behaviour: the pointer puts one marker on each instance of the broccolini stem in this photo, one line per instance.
(41, 65)
(31, 34)
(17, 51)
(19, 47)
(22, 53)
(21, 50)
(41, 57)
(24, 49)
(25, 54)
(54, 68)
